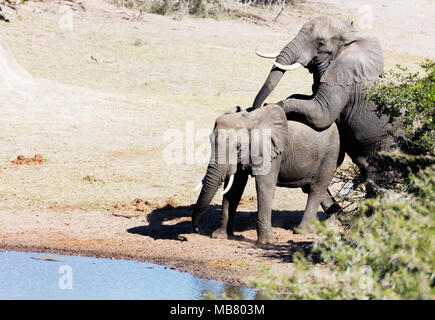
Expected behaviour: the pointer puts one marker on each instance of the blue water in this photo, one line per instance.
(25, 275)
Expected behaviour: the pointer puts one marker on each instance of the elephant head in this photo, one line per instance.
(332, 50)
(245, 140)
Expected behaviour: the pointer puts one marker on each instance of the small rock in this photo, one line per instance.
(92, 179)
(37, 159)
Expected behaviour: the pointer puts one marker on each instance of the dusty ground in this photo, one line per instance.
(104, 95)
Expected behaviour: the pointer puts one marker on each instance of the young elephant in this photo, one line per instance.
(281, 153)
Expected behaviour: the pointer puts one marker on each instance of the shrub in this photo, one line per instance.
(389, 251)
(388, 255)
(410, 97)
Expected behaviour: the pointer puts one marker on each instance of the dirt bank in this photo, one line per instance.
(162, 236)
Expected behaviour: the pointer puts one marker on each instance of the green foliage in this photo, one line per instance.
(389, 251)
(408, 99)
(411, 98)
(387, 254)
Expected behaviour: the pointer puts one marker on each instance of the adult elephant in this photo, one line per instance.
(276, 152)
(341, 60)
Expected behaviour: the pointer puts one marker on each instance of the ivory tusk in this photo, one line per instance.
(266, 55)
(200, 184)
(230, 183)
(287, 68)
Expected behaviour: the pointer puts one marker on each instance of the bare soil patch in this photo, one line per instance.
(36, 159)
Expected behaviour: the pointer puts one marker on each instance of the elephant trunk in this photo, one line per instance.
(272, 80)
(212, 181)
(286, 57)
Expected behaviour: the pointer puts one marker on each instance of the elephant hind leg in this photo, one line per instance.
(330, 205)
(310, 213)
(369, 174)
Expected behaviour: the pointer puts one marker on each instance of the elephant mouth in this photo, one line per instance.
(316, 65)
(312, 66)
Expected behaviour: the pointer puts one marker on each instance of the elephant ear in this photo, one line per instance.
(267, 122)
(358, 61)
(278, 123)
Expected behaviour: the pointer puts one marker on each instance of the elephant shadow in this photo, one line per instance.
(158, 228)
(169, 223)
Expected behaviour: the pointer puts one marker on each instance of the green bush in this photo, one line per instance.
(389, 251)
(388, 255)
(410, 97)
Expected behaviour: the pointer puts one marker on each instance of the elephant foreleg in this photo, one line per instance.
(230, 202)
(318, 111)
(266, 185)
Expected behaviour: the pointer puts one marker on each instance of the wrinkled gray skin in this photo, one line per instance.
(341, 61)
(299, 157)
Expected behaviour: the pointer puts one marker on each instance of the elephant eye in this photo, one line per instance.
(320, 43)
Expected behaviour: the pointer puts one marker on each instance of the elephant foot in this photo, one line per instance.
(266, 239)
(303, 228)
(220, 233)
(195, 229)
(334, 223)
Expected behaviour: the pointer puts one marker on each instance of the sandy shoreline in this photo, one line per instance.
(109, 235)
